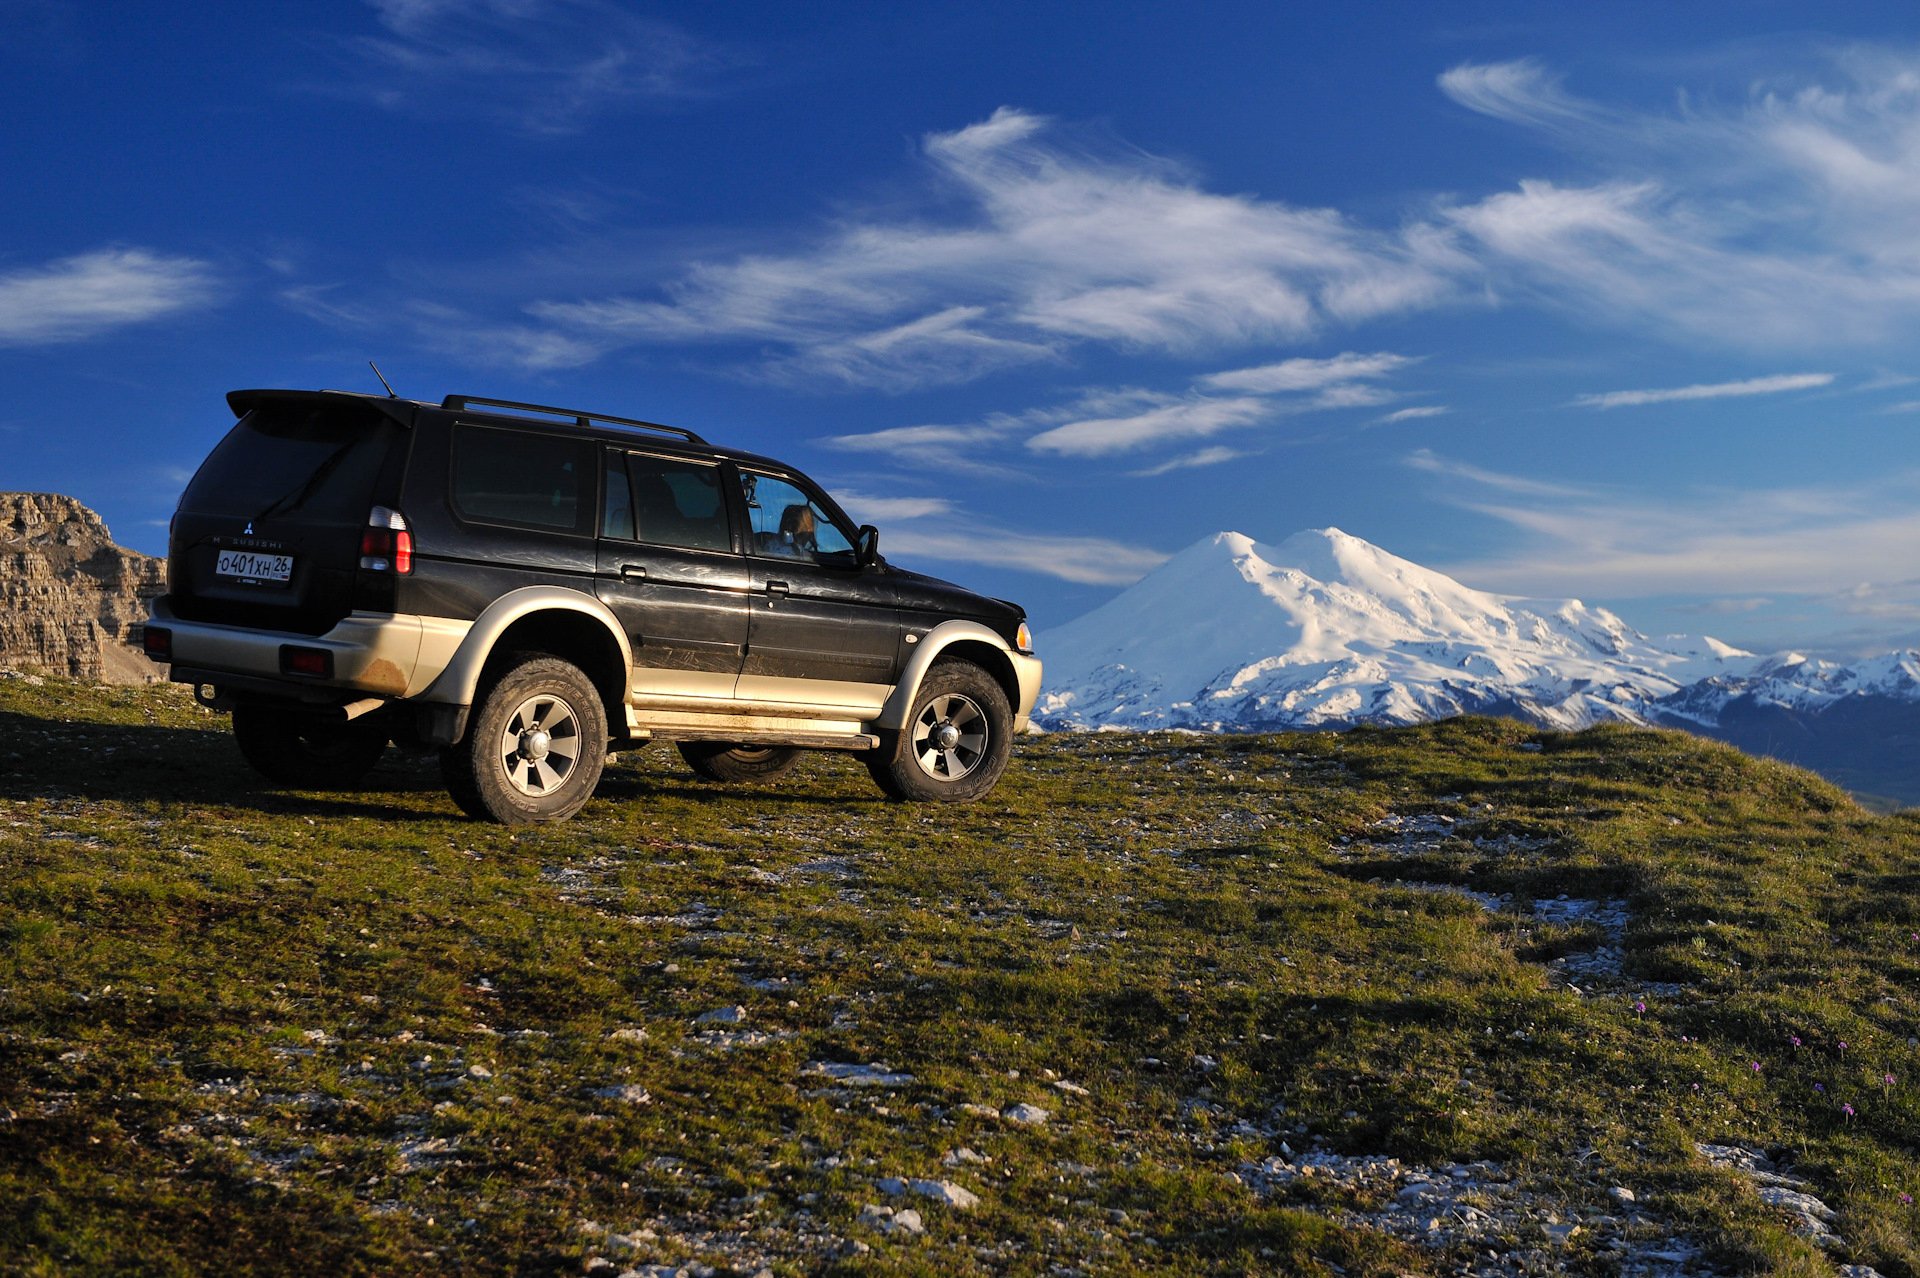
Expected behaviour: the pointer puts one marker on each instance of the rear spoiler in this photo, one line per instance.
(401, 411)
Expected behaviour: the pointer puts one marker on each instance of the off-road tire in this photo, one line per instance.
(535, 745)
(912, 764)
(305, 751)
(721, 761)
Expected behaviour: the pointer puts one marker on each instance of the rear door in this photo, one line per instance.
(669, 570)
(824, 629)
(268, 531)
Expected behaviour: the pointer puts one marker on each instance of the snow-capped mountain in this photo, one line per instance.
(1327, 630)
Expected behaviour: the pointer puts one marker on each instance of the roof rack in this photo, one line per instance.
(457, 402)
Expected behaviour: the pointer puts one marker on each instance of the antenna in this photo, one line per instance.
(383, 379)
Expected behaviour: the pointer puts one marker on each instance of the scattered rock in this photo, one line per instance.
(722, 1016)
(1027, 1115)
(941, 1191)
(874, 1075)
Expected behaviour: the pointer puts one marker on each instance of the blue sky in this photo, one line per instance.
(1613, 301)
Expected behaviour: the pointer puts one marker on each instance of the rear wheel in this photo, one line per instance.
(719, 761)
(534, 748)
(307, 751)
(957, 741)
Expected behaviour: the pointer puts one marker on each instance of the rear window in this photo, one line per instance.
(317, 462)
(519, 477)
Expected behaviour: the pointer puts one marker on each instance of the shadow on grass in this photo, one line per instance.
(54, 759)
(48, 759)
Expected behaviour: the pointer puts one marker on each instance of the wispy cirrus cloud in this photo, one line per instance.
(83, 296)
(1849, 547)
(1783, 220)
(1415, 413)
(1029, 245)
(1107, 421)
(535, 66)
(1214, 456)
(1774, 385)
(1091, 561)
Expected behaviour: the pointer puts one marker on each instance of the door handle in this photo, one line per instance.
(777, 588)
(633, 570)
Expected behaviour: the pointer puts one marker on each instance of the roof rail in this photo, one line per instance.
(457, 402)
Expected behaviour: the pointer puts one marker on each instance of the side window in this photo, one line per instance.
(787, 523)
(678, 503)
(519, 477)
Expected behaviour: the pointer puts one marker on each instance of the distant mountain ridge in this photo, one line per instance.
(1326, 630)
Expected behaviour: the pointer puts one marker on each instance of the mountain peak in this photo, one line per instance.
(1326, 627)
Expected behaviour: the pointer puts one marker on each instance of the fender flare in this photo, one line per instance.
(893, 715)
(457, 684)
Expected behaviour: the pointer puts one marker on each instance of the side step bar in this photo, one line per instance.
(804, 740)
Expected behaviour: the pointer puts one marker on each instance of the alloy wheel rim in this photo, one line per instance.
(950, 737)
(540, 745)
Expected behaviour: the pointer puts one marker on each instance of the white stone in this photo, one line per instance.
(1028, 1115)
(722, 1016)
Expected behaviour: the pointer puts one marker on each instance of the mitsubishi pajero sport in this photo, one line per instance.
(524, 588)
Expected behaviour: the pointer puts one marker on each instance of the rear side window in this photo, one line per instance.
(308, 462)
(519, 477)
(672, 502)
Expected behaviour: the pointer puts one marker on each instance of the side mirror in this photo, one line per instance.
(868, 546)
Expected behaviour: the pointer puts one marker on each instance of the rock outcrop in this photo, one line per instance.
(71, 602)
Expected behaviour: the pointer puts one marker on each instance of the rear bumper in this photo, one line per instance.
(384, 655)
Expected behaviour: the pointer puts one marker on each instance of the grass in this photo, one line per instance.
(247, 1031)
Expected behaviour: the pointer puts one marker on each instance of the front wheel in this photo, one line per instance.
(957, 740)
(534, 748)
(304, 750)
(719, 761)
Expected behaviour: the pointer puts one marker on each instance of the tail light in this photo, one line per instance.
(386, 545)
(158, 643)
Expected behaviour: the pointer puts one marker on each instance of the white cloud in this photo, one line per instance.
(1190, 461)
(1040, 245)
(1306, 374)
(1194, 418)
(1093, 561)
(92, 293)
(869, 509)
(539, 66)
(1415, 413)
(1102, 421)
(1785, 220)
(1521, 92)
(1718, 390)
(1832, 543)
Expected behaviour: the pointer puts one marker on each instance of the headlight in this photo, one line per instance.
(1023, 638)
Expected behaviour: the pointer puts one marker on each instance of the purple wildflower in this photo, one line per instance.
(1794, 1039)
(1848, 1111)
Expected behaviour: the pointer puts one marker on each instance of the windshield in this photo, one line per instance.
(317, 462)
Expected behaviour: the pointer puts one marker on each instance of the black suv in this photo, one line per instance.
(525, 587)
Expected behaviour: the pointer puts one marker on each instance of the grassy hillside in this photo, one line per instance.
(1466, 995)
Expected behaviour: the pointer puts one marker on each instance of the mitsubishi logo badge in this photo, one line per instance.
(248, 530)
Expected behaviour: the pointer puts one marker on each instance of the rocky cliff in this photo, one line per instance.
(71, 602)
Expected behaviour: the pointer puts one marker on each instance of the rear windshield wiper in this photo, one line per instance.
(293, 500)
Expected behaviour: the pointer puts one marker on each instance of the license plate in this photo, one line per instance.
(248, 565)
